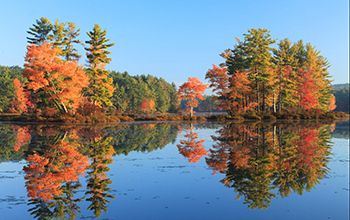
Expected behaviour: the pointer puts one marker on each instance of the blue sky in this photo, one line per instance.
(178, 39)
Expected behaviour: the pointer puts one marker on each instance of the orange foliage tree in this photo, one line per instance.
(331, 106)
(151, 104)
(21, 102)
(231, 90)
(62, 81)
(191, 90)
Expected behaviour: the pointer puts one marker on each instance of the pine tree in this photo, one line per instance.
(71, 33)
(286, 63)
(100, 88)
(258, 56)
(58, 34)
(64, 35)
(40, 31)
(253, 56)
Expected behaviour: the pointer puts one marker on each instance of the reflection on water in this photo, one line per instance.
(58, 155)
(258, 159)
(190, 147)
(69, 165)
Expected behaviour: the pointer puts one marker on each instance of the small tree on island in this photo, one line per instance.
(191, 90)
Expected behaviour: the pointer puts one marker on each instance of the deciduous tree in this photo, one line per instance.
(61, 81)
(331, 105)
(144, 105)
(192, 90)
(22, 100)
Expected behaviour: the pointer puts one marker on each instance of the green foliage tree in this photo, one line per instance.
(7, 88)
(100, 153)
(71, 34)
(132, 90)
(40, 31)
(100, 88)
(285, 62)
(253, 55)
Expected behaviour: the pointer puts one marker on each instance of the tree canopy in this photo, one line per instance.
(256, 76)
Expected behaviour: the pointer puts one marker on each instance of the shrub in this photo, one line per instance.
(252, 115)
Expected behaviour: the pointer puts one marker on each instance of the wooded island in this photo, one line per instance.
(255, 81)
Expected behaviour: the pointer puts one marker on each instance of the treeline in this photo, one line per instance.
(256, 76)
(134, 93)
(7, 88)
(341, 93)
(130, 92)
(208, 104)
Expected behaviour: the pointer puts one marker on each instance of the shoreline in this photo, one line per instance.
(171, 117)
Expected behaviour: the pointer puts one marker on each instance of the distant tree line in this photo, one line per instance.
(208, 104)
(132, 91)
(341, 93)
(7, 88)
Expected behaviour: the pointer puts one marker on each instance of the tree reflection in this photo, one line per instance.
(260, 159)
(100, 152)
(56, 162)
(191, 148)
(58, 156)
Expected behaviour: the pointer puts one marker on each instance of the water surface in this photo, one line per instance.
(175, 171)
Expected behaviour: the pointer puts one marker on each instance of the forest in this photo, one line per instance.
(259, 78)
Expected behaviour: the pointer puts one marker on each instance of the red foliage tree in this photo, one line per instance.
(191, 90)
(144, 105)
(306, 147)
(306, 89)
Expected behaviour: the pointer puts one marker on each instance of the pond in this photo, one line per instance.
(210, 170)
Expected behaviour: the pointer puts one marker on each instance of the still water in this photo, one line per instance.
(175, 171)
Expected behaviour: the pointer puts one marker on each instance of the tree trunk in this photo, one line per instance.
(263, 101)
(274, 102)
(257, 95)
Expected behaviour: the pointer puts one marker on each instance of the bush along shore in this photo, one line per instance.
(103, 118)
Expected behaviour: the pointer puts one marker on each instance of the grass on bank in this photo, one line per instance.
(102, 118)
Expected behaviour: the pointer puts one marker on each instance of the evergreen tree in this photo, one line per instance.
(58, 35)
(253, 57)
(100, 89)
(71, 33)
(40, 31)
(258, 57)
(286, 63)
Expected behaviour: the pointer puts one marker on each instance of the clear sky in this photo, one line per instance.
(181, 38)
